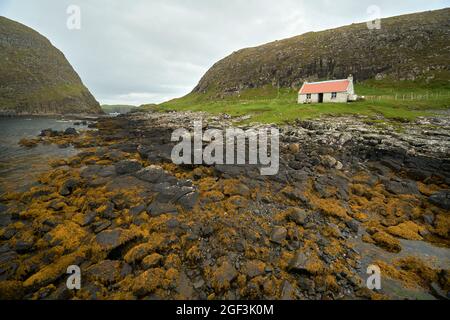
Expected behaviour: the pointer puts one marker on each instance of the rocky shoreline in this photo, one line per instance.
(350, 192)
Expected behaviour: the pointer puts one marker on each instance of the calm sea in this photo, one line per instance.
(19, 166)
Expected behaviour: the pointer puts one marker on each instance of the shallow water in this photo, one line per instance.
(20, 166)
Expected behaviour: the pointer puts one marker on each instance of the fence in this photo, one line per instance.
(410, 96)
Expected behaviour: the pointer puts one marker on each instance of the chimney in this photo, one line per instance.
(350, 77)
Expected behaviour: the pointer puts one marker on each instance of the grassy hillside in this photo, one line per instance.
(36, 78)
(391, 99)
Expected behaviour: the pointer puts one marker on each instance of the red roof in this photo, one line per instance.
(325, 87)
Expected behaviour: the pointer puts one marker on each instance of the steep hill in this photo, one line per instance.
(36, 78)
(408, 47)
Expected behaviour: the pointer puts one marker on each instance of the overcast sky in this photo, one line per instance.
(149, 51)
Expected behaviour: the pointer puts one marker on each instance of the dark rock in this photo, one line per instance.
(441, 199)
(107, 211)
(70, 132)
(93, 171)
(404, 187)
(298, 216)
(156, 209)
(278, 235)
(5, 219)
(68, 187)
(153, 174)
(127, 167)
(173, 223)
(188, 201)
(353, 225)
(429, 219)
(137, 210)
(111, 239)
(101, 226)
(437, 291)
(8, 233)
(23, 246)
(298, 263)
(49, 133)
(87, 219)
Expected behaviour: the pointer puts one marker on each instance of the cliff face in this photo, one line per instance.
(407, 47)
(36, 78)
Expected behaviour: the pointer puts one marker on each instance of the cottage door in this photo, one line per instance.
(320, 97)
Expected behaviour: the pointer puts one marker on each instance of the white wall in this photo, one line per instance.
(314, 98)
(341, 97)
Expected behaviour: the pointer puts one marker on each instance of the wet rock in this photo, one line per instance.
(152, 261)
(68, 187)
(101, 226)
(153, 174)
(172, 193)
(70, 132)
(23, 246)
(111, 239)
(441, 199)
(127, 167)
(8, 233)
(278, 235)
(403, 187)
(93, 171)
(438, 292)
(353, 225)
(134, 211)
(49, 133)
(156, 209)
(189, 200)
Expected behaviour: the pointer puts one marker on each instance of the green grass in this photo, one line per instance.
(403, 101)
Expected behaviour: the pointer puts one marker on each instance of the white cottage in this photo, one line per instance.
(334, 91)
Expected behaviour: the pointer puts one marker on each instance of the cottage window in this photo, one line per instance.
(334, 95)
(308, 96)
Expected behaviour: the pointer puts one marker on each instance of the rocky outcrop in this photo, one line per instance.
(406, 47)
(36, 78)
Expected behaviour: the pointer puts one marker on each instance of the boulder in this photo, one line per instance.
(127, 167)
(441, 199)
(278, 235)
